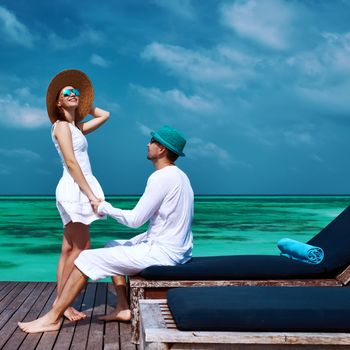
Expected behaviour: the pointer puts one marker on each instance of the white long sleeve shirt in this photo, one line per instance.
(168, 205)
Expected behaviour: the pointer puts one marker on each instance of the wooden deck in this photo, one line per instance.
(24, 301)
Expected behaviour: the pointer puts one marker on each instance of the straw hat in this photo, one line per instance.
(77, 79)
(171, 139)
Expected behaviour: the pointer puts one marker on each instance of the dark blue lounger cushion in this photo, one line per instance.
(299, 309)
(334, 239)
(245, 267)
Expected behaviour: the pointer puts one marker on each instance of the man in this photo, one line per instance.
(167, 203)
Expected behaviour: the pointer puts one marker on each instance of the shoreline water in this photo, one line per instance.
(31, 230)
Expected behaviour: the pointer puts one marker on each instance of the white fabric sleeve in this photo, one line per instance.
(147, 205)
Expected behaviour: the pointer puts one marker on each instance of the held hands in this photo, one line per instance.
(95, 202)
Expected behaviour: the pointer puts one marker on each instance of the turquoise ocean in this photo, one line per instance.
(31, 229)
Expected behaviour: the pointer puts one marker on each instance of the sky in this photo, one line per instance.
(259, 88)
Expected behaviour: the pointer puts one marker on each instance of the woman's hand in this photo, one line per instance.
(100, 117)
(95, 202)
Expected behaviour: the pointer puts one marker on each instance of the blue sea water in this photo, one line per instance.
(31, 229)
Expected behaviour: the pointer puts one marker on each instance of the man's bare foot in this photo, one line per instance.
(42, 324)
(73, 315)
(117, 315)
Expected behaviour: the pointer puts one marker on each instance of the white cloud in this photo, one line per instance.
(267, 22)
(337, 51)
(176, 97)
(197, 148)
(238, 57)
(330, 57)
(307, 62)
(182, 8)
(188, 63)
(24, 154)
(145, 130)
(316, 158)
(324, 73)
(260, 136)
(328, 98)
(12, 30)
(86, 36)
(15, 114)
(99, 61)
(298, 138)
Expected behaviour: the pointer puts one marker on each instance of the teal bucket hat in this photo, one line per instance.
(171, 139)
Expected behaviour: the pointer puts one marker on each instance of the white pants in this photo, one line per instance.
(122, 257)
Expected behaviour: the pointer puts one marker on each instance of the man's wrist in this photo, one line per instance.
(103, 208)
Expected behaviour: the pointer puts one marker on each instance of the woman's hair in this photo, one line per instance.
(60, 113)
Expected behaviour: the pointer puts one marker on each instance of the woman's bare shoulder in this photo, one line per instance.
(62, 126)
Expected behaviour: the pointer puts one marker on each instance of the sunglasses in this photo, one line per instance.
(68, 92)
(153, 140)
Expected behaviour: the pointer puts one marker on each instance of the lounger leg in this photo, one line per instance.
(135, 295)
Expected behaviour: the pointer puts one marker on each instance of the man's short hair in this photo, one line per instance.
(172, 156)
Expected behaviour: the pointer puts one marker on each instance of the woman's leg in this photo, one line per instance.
(76, 239)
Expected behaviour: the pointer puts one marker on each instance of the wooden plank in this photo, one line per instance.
(151, 316)
(18, 309)
(139, 282)
(176, 336)
(45, 290)
(253, 347)
(125, 336)
(3, 284)
(10, 293)
(95, 338)
(344, 276)
(81, 333)
(46, 340)
(6, 287)
(47, 297)
(112, 340)
(69, 328)
(28, 301)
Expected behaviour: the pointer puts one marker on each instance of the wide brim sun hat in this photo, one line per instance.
(170, 138)
(77, 79)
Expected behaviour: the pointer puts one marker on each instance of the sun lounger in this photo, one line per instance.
(238, 270)
(247, 318)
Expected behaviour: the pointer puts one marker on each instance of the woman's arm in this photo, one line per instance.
(64, 139)
(100, 115)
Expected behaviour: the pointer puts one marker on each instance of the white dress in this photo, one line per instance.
(72, 204)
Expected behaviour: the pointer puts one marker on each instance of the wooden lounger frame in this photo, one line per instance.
(141, 288)
(158, 332)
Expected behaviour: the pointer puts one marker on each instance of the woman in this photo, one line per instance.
(69, 99)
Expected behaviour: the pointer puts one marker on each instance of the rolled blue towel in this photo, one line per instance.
(300, 251)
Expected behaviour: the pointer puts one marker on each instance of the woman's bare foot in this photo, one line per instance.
(42, 324)
(117, 315)
(73, 315)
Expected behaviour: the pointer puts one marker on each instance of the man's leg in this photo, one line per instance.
(52, 320)
(122, 310)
